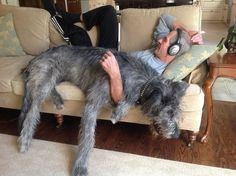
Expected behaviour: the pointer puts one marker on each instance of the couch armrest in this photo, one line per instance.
(198, 75)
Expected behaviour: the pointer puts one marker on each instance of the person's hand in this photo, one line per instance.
(110, 65)
(196, 37)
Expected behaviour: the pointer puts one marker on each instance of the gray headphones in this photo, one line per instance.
(176, 46)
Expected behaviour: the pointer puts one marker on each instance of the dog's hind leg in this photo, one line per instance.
(38, 91)
(28, 128)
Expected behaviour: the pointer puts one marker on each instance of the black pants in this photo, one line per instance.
(104, 17)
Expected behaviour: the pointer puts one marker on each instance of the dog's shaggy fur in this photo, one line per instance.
(159, 98)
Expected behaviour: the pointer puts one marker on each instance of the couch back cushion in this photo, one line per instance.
(9, 42)
(137, 25)
(32, 27)
(57, 40)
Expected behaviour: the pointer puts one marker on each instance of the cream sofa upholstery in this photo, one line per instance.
(36, 34)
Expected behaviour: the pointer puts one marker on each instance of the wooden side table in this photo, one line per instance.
(220, 66)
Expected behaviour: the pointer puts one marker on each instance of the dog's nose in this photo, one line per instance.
(176, 133)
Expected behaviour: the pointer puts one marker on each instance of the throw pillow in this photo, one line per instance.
(179, 68)
(9, 42)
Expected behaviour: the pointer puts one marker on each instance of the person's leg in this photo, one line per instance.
(104, 17)
(53, 10)
(50, 7)
(71, 18)
(78, 36)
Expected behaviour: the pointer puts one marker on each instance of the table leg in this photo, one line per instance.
(60, 120)
(192, 136)
(208, 98)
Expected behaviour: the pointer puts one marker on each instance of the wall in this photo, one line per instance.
(13, 2)
(3, 1)
(233, 14)
(91, 4)
(10, 2)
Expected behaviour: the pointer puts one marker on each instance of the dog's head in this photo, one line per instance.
(161, 102)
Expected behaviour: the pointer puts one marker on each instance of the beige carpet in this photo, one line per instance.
(55, 159)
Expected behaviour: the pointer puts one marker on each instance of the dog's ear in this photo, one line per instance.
(179, 88)
(150, 94)
(152, 102)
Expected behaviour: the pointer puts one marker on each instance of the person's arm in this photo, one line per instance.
(110, 65)
(196, 37)
(169, 23)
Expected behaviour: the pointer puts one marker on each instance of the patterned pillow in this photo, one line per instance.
(179, 68)
(9, 43)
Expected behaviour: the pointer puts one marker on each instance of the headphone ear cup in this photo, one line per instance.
(174, 49)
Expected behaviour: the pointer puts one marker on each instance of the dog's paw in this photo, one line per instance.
(59, 106)
(114, 121)
(114, 118)
(80, 171)
(23, 148)
(154, 132)
(23, 145)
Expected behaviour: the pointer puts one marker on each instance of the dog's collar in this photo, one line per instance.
(144, 88)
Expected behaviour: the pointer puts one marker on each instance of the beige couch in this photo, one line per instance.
(36, 34)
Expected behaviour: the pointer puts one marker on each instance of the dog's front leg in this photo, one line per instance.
(120, 111)
(86, 138)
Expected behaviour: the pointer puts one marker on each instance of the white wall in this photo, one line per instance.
(84, 5)
(10, 2)
(3, 1)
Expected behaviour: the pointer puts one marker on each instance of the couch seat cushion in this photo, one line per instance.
(67, 90)
(10, 67)
(192, 101)
(191, 106)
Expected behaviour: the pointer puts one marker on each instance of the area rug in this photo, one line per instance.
(55, 159)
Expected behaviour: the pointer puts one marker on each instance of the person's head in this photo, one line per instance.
(180, 38)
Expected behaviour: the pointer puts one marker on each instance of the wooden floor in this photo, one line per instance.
(220, 151)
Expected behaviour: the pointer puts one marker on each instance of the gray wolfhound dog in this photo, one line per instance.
(159, 98)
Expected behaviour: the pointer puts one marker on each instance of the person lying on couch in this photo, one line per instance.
(170, 40)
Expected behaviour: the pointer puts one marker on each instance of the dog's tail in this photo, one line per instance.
(27, 101)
